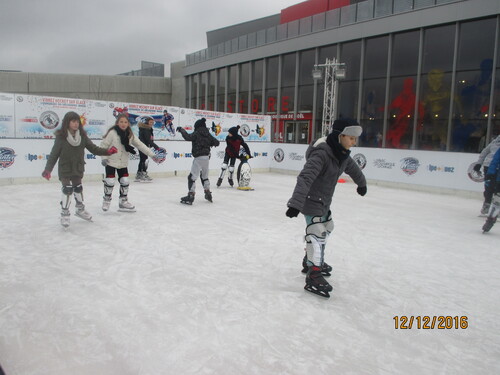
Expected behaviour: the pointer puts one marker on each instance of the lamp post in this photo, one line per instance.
(334, 72)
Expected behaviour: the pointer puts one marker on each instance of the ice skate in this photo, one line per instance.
(490, 221)
(125, 206)
(188, 199)
(208, 195)
(65, 215)
(485, 209)
(82, 213)
(316, 283)
(219, 182)
(106, 203)
(231, 182)
(326, 269)
(146, 178)
(139, 177)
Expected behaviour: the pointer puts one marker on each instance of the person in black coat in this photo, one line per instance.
(234, 142)
(146, 136)
(202, 142)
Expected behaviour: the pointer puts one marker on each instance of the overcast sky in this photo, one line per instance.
(111, 36)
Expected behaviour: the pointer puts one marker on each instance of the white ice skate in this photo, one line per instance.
(83, 214)
(125, 206)
(105, 204)
(65, 216)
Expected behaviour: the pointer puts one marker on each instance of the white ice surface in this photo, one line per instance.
(217, 289)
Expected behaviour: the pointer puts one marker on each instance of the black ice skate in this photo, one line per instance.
(208, 195)
(326, 269)
(316, 283)
(490, 221)
(231, 182)
(219, 182)
(188, 199)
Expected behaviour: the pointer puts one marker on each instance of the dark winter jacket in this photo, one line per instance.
(202, 140)
(146, 135)
(494, 170)
(71, 158)
(316, 182)
(233, 146)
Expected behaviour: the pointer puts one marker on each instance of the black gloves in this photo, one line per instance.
(178, 129)
(361, 190)
(477, 167)
(292, 212)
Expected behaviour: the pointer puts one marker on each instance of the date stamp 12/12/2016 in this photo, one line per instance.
(430, 322)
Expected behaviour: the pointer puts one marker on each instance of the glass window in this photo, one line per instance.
(306, 98)
(438, 51)
(194, 90)
(221, 90)
(244, 86)
(306, 66)
(257, 76)
(211, 90)
(231, 89)
(328, 52)
(203, 87)
(401, 111)
(376, 50)
(350, 55)
(272, 85)
(372, 113)
(405, 54)
(347, 99)
(474, 80)
(288, 83)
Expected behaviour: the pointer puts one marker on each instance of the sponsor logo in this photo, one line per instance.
(185, 155)
(473, 175)
(161, 155)
(382, 163)
(295, 156)
(263, 154)
(409, 166)
(49, 120)
(360, 160)
(19, 99)
(7, 156)
(111, 105)
(279, 155)
(34, 157)
(245, 130)
(436, 168)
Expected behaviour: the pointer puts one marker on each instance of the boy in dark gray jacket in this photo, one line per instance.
(202, 142)
(326, 160)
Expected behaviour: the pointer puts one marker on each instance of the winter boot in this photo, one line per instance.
(106, 201)
(326, 269)
(316, 283)
(125, 206)
(485, 209)
(208, 195)
(65, 215)
(219, 182)
(188, 199)
(490, 221)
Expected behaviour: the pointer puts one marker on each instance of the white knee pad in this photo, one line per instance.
(317, 234)
(231, 169)
(109, 181)
(124, 181)
(224, 166)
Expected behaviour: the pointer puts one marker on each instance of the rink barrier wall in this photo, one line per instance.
(23, 160)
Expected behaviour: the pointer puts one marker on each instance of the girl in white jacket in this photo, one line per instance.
(121, 137)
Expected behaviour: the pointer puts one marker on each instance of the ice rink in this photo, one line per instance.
(217, 288)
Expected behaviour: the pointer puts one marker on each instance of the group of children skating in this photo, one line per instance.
(115, 149)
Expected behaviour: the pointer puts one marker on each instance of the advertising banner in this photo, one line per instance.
(253, 128)
(166, 119)
(7, 108)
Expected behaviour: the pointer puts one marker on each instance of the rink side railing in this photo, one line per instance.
(23, 160)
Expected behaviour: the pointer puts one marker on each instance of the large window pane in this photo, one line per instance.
(203, 87)
(350, 55)
(211, 90)
(474, 73)
(372, 114)
(306, 66)
(438, 51)
(348, 99)
(257, 76)
(288, 82)
(405, 54)
(221, 90)
(272, 85)
(244, 86)
(376, 57)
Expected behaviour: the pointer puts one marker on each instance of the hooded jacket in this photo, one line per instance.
(317, 181)
(202, 140)
(486, 156)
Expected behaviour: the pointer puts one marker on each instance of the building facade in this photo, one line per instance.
(420, 74)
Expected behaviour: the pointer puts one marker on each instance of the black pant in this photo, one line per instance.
(142, 162)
